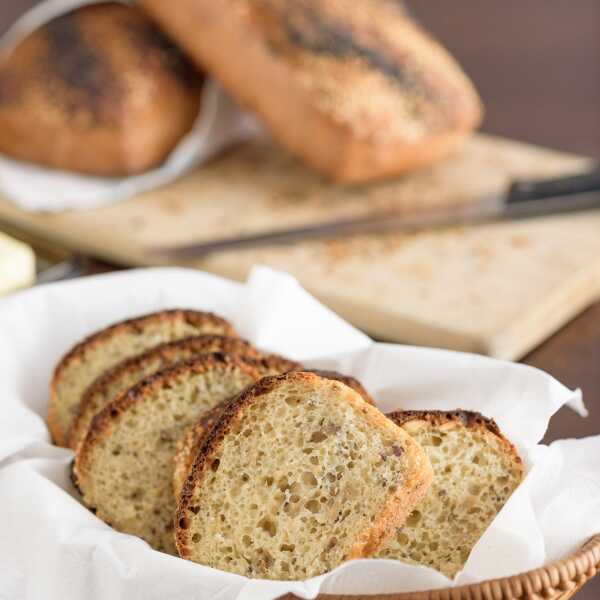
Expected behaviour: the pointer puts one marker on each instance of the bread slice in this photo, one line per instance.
(358, 91)
(190, 443)
(189, 446)
(104, 349)
(476, 469)
(298, 475)
(130, 371)
(124, 466)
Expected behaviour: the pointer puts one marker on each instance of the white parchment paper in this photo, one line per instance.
(51, 547)
(220, 124)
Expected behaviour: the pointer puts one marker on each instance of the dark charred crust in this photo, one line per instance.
(153, 46)
(101, 422)
(351, 382)
(270, 364)
(80, 78)
(78, 73)
(306, 29)
(73, 477)
(137, 326)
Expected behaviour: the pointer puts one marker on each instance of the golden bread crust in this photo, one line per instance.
(161, 356)
(136, 326)
(397, 508)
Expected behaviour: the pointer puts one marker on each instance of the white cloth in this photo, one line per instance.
(220, 123)
(51, 547)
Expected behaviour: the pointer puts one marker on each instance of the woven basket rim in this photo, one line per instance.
(550, 581)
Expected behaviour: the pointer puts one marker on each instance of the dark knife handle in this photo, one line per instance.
(522, 191)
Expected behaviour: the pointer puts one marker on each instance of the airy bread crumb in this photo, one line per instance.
(475, 471)
(298, 475)
(124, 466)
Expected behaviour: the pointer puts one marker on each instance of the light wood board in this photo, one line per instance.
(497, 289)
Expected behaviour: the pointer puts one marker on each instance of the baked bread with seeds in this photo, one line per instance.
(130, 371)
(124, 466)
(106, 348)
(99, 90)
(298, 475)
(351, 382)
(190, 443)
(357, 90)
(475, 470)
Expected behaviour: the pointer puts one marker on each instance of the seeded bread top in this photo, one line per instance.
(367, 65)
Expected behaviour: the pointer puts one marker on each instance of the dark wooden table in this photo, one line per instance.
(536, 66)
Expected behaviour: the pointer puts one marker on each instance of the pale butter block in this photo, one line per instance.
(17, 264)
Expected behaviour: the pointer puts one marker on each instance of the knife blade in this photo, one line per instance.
(522, 200)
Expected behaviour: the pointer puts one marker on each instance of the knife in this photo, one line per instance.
(523, 199)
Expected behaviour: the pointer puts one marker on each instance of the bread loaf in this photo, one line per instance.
(124, 466)
(190, 443)
(475, 470)
(98, 90)
(298, 475)
(104, 349)
(356, 90)
(132, 370)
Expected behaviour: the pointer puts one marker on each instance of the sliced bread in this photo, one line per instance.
(351, 382)
(132, 370)
(104, 349)
(190, 443)
(298, 475)
(124, 466)
(475, 471)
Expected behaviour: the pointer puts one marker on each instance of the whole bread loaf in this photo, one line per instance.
(355, 89)
(102, 350)
(298, 475)
(475, 470)
(98, 90)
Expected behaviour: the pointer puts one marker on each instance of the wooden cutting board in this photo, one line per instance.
(496, 289)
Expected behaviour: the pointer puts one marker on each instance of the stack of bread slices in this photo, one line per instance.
(208, 448)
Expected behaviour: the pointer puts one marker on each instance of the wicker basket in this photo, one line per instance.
(557, 581)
